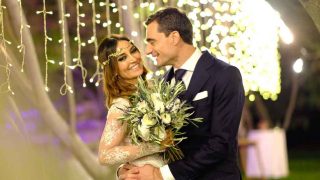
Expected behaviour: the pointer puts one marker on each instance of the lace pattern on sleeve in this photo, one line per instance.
(112, 148)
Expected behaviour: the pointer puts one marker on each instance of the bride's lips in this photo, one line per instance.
(134, 66)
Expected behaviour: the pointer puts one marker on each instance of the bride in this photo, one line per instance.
(122, 65)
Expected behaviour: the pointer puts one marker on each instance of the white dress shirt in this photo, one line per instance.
(189, 65)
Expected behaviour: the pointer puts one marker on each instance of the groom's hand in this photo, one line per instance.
(128, 172)
(148, 172)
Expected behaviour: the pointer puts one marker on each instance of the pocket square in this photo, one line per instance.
(201, 95)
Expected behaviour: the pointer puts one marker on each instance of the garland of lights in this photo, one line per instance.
(78, 60)
(3, 45)
(108, 21)
(65, 87)
(21, 46)
(46, 38)
(107, 4)
(93, 40)
(231, 30)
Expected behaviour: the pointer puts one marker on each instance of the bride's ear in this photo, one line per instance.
(175, 37)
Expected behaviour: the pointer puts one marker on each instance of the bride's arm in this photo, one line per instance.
(111, 148)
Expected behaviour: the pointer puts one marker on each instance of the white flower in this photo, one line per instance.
(166, 118)
(147, 121)
(144, 131)
(158, 104)
(142, 106)
(176, 105)
(155, 97)
(160, 132)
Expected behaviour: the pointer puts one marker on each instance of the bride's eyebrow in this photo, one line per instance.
(128, 47)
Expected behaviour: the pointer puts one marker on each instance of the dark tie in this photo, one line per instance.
(178, 74)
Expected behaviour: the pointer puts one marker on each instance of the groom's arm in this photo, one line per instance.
(226, 113)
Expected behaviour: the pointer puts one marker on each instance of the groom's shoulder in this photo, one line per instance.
(219, 66)
(218, 63)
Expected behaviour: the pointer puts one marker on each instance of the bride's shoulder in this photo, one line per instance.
(120, 100)
(119, 103)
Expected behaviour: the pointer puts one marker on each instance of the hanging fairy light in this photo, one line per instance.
(93, 40)
(108, 15)
(78, 60)
(21, 46)
(65, 87)
(6, 86)
(44, 12)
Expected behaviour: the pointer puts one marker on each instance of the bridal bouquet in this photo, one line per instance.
(156, 115)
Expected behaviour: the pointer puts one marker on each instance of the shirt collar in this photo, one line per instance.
(192, 61)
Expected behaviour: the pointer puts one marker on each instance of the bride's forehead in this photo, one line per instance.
(123, 44)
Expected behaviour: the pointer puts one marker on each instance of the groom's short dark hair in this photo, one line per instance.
(172, 19)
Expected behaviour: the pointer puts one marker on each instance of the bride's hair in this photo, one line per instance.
(114, 85)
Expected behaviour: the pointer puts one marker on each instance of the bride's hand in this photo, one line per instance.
(128, 171)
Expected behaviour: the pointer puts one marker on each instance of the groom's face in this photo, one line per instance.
(159, 45)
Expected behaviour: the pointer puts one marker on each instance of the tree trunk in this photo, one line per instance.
(50, 115)
(263, 113)
(292, 102)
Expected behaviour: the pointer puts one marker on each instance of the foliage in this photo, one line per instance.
(157, 115)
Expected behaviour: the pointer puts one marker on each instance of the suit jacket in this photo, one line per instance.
(211, 149)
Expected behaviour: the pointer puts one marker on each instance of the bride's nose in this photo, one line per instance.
(132, 58)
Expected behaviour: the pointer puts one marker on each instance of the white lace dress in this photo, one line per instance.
(115, 146)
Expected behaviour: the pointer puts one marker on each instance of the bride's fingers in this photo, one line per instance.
(128, 166)
(130, 174)
(133, 170)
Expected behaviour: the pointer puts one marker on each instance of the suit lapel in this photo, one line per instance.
(200, 76)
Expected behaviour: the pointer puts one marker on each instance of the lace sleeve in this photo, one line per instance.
(112, 149)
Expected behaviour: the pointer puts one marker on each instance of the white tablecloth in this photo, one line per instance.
(272, 149)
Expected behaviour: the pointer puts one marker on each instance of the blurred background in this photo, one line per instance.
(52, 107)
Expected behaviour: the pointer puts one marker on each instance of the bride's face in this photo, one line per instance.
(129, 61)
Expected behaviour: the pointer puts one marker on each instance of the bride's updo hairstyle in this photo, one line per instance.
(114, 85)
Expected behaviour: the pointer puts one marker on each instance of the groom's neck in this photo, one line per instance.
(184, 53)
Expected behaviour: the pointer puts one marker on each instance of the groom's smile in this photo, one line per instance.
(159, 45)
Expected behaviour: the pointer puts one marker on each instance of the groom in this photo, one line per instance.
(214, 89)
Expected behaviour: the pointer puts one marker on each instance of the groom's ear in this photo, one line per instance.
(175, 37)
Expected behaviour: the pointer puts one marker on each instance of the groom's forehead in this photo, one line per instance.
(152, 28)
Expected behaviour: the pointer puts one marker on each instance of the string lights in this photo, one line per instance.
(232, 30)
(107, 4)
(21, 46)
(78, 60)
(236, 33)
(65, 87)
(93, 40)
(5, 86)
(44, 12)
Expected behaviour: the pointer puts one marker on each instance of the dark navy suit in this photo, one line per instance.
(211, 149)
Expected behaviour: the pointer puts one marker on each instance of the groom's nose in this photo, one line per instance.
(149, 49)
